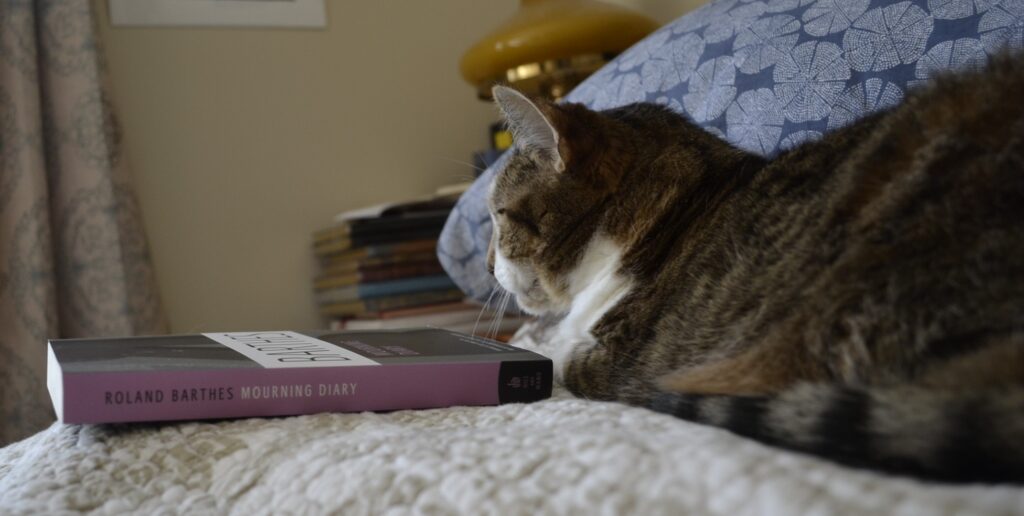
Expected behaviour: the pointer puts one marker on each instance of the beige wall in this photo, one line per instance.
(244, 141)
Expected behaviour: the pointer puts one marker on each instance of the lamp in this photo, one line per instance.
(550, 46)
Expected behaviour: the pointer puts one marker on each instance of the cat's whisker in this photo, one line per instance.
(463, 178)
(496, 323)
(460, 162)
(494, 316)
(490, 324)
(494, 290)
(504, 311)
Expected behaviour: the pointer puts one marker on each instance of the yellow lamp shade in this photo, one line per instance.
(552, 41)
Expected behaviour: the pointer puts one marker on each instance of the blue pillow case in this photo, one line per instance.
(768, 75)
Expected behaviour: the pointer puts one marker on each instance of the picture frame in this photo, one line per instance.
(218, 13)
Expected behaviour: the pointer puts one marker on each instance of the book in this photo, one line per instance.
(391, 209)
(422, 310)
(432, 319)
(371, 263)
(374, 274)
(380, 304)
(338, 245)
(413, 220)
(247, 374)
(358, 228)
(384, 288)
(380, 251)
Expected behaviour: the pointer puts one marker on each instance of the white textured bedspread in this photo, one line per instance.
(561, 456)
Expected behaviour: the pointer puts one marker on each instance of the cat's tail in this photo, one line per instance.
(940, 435)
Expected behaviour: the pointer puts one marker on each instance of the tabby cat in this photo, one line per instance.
(860, 297)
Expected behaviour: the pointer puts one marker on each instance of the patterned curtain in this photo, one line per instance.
(73, 255)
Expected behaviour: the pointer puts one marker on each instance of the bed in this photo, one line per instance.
(559, 456)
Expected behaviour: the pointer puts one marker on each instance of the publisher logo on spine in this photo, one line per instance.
(287, 349)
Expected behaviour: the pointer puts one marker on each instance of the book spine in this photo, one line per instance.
(363, 227)
(343, 266)
(229, 393)
(378, 250)
(395, 236)
(378, 273)
(381, 304)
(384, 289)
(404, 286)
(400, 272)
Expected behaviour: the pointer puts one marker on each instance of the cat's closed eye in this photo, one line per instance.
(524, 222)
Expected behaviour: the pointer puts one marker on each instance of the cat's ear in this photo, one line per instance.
(531, 129)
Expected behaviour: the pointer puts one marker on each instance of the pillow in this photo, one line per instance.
(767, 75)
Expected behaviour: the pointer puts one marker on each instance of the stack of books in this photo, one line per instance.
(379, 270)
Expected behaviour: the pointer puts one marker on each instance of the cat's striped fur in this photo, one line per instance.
(859, 298)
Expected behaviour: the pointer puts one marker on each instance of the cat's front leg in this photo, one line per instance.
(583, 365)
(568, 348)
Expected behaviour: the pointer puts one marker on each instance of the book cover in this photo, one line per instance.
(382, 304)
(246, 374)
(384, 288)
(373, 274)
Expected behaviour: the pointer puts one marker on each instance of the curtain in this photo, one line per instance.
(74, 261)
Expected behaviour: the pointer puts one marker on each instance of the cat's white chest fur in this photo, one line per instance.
(596, 285)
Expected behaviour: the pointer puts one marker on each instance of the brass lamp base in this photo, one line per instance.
(551, 79)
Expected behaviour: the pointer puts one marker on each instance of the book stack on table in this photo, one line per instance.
(379, 270)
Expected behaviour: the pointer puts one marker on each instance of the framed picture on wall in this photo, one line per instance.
(219, 13)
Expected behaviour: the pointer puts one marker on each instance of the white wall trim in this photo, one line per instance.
(219, 13)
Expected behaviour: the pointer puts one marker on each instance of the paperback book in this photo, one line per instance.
(338, 245)
(437, 282)
(428, 245)
(367, 226)
(248, 374)
(363, 307)
(380, 273)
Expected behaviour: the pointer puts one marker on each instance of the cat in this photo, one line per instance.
(859, 297)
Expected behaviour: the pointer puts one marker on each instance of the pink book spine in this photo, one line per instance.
(113, 397)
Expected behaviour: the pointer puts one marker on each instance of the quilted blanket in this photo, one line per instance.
(560, 456)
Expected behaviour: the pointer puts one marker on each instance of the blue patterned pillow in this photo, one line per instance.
(767, 75)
